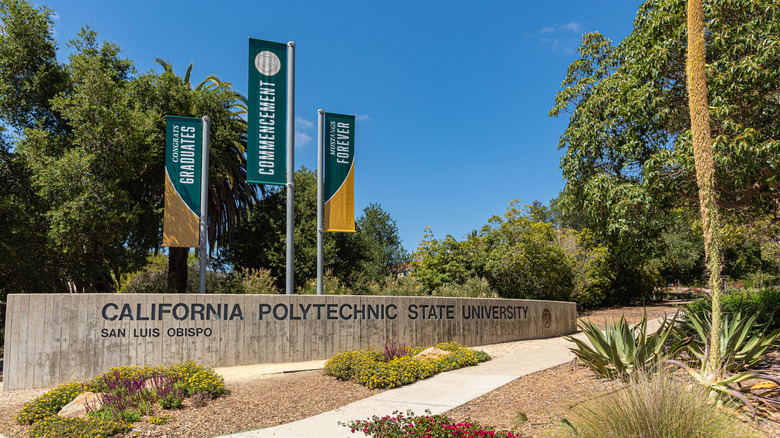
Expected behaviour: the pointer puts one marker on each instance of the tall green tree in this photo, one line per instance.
(229, 194)
(30, 75)
(92, 133)
(354, 258)
(628, 145)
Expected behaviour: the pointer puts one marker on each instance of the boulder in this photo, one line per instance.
(432, 353)
(78, 407)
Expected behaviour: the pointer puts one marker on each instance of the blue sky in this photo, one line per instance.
(451, 97)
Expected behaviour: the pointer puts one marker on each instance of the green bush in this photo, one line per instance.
(248, 281)
(331, 285)
(590, 262)
(474, 287)
(655, 405)
(56, 427)
(371, 369)
(153, 279)
(407, 286)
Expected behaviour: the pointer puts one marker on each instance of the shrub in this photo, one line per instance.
(427, 426)
(371, 369)
(407, 286)
(590, 262)
(50, 403)
(90, 427)
(331, 285)
(474, 287)
(253, 281)
(655, 405)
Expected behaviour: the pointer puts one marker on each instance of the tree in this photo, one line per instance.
(29, 73)
(26, 266)
(229, 194)
(93, 136)
(354, 258)
(381, 233)
(629, 157)
(628, 144)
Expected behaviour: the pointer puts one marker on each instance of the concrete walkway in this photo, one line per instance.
(439, 393)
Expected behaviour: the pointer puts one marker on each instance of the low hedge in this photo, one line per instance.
(374, 369)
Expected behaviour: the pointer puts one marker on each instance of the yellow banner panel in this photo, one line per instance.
(181, 227)
(340, 210)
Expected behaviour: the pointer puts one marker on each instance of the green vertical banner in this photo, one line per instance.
(183, 161)
(339, 173)
(267, 118)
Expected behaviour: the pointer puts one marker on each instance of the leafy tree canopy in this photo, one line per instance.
(628, 143)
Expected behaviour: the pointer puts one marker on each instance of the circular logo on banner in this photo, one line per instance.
(267, 63)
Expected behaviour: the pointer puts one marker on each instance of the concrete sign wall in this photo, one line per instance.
(54, 338)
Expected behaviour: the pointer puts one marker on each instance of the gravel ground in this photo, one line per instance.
(531, 404)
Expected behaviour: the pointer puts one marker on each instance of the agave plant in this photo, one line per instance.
(742, 346)
(621, 350)
(743, 343)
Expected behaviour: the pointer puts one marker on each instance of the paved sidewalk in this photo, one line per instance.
(439, 393)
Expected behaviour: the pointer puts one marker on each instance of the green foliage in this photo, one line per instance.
(406, 286)
(592, 268)
(153, 279)
(442, 261)
(655, 405)
(410, 425)
(473, 287)
(255, 281)
(355, 259)
(371, 368)
(523, 259)
(628, 150)
(90, 427)
(29, 73)
(90, 154)
(622, 351)
(331, 285)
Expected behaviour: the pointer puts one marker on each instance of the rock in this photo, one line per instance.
(78, 407)
(431, 353)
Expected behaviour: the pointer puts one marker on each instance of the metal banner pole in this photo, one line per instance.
(204, 204)
(320, 195)
(290, 163)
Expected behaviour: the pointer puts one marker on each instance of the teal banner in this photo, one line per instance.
(339, 173)
(267, 117)
(183, 161)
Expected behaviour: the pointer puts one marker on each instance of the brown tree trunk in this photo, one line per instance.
(177, 270)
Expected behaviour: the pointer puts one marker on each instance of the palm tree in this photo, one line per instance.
(229, 194)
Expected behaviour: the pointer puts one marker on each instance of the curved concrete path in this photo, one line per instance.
(439, 393)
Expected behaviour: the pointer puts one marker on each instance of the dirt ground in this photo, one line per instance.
(531, 405)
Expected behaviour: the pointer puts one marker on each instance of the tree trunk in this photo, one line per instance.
(177, 270)
(705, 165)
